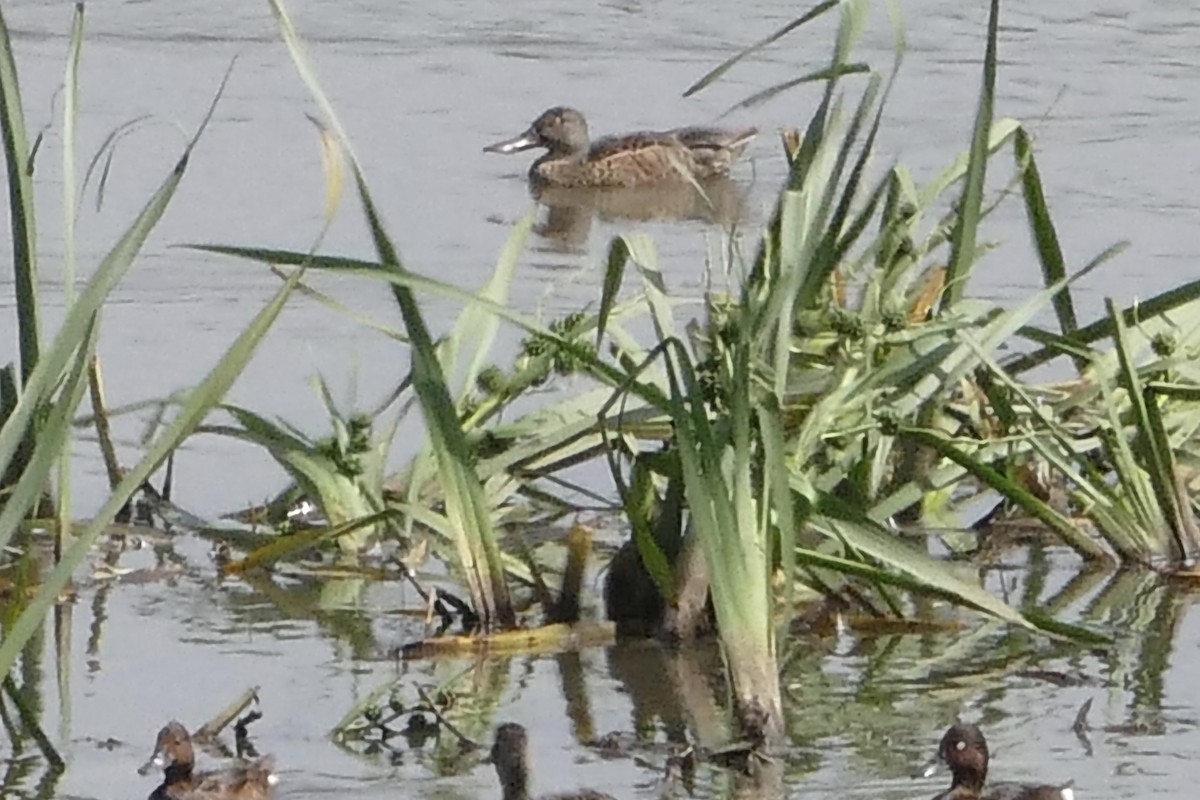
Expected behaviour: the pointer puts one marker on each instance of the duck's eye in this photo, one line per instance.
(960, 745)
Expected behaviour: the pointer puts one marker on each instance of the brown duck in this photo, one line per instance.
(964, 750)
(173, 754)
(628, 161)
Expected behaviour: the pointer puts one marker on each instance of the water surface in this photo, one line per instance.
(421, 87)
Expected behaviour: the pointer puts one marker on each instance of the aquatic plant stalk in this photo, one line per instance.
(62, 531)
(962, 240)
(17, 156)
(465, 504)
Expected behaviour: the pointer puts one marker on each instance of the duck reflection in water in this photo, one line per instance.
(510, 757)
(649, 175)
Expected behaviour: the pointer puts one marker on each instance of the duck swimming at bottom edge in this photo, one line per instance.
(173, 754)
(964, 750)
(510, 757)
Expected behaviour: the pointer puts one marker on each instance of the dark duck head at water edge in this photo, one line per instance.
(510, 757)
(636, 159)
(964, 750)
(173, 754)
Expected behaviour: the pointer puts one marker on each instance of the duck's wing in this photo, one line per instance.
(250, 781)
(579, 794)
(713, 150)
(957, 793)
(734, 141)
(648, 157)
(632, 160)
(1029, 791)
(629, 144)
(655, 156)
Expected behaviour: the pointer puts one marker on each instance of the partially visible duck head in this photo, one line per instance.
(964, 750)
(172, 748)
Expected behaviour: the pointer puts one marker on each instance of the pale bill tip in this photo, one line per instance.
(512, 145)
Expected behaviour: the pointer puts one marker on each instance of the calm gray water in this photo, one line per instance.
(1107, 91)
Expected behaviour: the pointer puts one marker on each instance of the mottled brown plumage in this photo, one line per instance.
(510, 757)
(173, 754)
(965, 751)
(636, 159)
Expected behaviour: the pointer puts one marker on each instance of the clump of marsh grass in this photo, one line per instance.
(39, 407)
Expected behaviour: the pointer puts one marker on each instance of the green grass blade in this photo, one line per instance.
(828, 73)
(70, 122)
(18, 158)
(1103, 327)
(476, 326)
(824, 258)
(1152, 449)
(614, 274)
(778, 475)
(466, 505)
(283, 547)
(1015, 492)
(728, 64)
(340, 496)
(943, 364)
(53, 434)
(839, 520)
(373, 270)
(70, 214)
(962, 240)
(841, 237)
(640, 249)
(1045, 237)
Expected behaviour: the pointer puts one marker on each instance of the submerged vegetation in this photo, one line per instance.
(783, 448)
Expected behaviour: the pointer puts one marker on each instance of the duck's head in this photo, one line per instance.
(965, 752)
(173, 747)
(561, 130)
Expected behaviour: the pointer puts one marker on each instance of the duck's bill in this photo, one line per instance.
(929, 768)
(157, 761)
(525, 141)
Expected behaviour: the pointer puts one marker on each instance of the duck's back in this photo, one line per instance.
(252, 781)
(648, 157)
(579, 794)
(1028, 791)
(630, 160)
(701, 138)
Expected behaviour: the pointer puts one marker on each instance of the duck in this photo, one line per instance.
(510, 757)
(632, 160)
(964, 750)
(173, 754)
